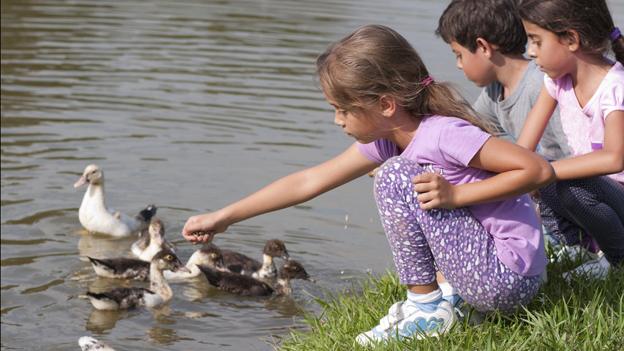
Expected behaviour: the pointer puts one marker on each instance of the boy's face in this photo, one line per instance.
(476, 65)
(552, 54)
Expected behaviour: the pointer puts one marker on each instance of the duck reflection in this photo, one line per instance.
(163, 336)
(95, 245)
(100, 321)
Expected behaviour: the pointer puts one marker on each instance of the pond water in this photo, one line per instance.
(189, 105)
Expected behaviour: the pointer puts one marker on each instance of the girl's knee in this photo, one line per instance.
(397, 166)
(574, 194)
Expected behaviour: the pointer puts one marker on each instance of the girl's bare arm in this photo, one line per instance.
(288, 191)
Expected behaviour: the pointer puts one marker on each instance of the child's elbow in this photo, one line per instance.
(618, 161)
(544, 174)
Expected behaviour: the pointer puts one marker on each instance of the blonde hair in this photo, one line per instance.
(374, 61)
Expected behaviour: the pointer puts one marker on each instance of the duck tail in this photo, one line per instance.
(147, 213)
(96, 296)
(95, 261)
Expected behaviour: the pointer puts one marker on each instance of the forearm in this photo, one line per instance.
(300, 186)
(536, 121)
(594, 164)
(285, 192)
(501, 186)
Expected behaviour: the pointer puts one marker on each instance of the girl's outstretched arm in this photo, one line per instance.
(285, 192)
(537, 120)
(519, 171)
(608, 160)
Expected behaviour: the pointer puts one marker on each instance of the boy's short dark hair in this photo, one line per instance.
(496, 21)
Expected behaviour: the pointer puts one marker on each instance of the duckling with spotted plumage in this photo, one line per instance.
(159, 292)
(96, 217)
(239, 263)
(247, 286)
(208, 255)
(125, 268)
(151, 241)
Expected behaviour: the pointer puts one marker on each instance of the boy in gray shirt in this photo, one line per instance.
(508, 114)
(489, 41)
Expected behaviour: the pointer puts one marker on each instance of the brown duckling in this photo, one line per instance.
(238, 263)
(247, 286)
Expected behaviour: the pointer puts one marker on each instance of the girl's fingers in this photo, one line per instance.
(429, 205)
(424, 178)
(423, 187)
(426, 197)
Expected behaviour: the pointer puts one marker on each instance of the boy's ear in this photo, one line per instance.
(485, 48)
(388, 105)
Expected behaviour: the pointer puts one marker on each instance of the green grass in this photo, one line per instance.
(583, 315)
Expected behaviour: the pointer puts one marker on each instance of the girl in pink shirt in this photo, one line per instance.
(450, 196)
(568, 40)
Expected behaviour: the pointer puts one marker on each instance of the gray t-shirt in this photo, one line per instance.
(508, 115)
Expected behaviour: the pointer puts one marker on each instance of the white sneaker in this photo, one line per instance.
(407, 319)
(594, 269)
(572, 253)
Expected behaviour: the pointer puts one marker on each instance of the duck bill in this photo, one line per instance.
(82, 181)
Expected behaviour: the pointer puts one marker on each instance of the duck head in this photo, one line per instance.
(92, 175)
(156, 229)
(166, 259)
(276, 248)
(209, 255)
(293, 270)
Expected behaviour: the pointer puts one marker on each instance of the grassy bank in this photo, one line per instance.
(582, 315)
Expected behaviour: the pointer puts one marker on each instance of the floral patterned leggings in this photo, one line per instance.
(451, 241)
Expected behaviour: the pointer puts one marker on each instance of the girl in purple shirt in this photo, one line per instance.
(568, 40)
(450, 196)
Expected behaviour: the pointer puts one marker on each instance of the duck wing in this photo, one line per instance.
(121, 268)
(119, 298)
(236, 283)
(236, 262)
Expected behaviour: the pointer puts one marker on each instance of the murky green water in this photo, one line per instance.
(188, 105)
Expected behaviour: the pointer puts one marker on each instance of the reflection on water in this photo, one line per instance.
(99, 321)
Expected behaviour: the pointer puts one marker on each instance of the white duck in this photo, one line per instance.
(96, 217)
(150, 243)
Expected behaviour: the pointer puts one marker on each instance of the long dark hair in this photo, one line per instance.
(590, 18)
(375, 60)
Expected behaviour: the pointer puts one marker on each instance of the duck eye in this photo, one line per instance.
(169, 258)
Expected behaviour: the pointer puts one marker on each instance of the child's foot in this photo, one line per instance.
(572, 253)
(594, 269)
(455, 300)
(407, 319)
(458, 305)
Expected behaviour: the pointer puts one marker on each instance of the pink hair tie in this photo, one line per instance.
(425, 82)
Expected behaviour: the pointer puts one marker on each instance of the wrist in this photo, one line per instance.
(225, 216)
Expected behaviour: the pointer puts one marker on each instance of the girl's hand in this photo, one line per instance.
(202, 228)
(434, 191)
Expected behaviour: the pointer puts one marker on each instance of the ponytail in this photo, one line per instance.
(617, 46)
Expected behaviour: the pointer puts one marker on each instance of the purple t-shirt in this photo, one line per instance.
(446, 145)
